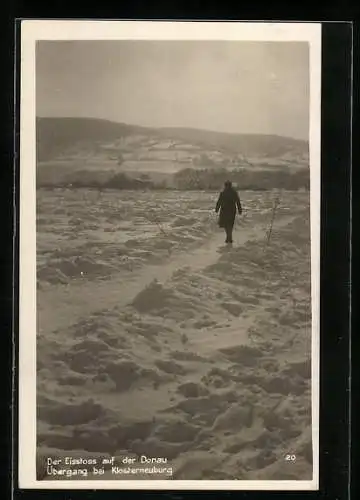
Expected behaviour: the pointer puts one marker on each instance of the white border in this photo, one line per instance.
(33, 30)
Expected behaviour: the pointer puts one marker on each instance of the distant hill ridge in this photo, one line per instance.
(55, 136)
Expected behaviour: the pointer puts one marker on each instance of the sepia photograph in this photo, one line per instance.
(169, 272)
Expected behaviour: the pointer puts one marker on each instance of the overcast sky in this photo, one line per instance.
(245, 87)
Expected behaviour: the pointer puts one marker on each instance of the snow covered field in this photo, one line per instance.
(155, 339)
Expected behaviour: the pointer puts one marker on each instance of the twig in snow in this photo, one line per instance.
(269, 231)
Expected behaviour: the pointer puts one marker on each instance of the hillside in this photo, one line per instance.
(102, 140)
(246, 144)
(56, 136)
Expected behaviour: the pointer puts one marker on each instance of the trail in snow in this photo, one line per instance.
(78, 300)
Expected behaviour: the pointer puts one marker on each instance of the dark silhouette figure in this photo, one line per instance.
(227, 203)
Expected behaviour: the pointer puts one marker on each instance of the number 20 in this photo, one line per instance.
(290, 458)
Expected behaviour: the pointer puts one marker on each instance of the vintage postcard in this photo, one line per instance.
(169, 255)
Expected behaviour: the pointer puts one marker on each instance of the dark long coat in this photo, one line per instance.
(227, 203)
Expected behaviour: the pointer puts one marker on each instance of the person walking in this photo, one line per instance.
(227, 203)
